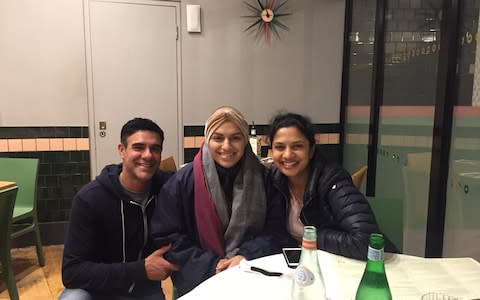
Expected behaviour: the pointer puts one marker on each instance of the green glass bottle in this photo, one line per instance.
(308, 281)
(374, 283)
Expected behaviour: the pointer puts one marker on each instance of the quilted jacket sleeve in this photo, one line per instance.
(353, 221)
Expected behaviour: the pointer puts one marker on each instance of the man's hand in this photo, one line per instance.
(157, 267)
(225, 263)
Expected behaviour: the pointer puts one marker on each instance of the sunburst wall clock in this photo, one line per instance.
(267, 14)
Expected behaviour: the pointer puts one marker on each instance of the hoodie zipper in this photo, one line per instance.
(145, 222)
(145, 232)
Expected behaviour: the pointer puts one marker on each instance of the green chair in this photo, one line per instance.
(24, 171)
(7, 202)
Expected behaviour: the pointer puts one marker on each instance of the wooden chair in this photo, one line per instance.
(168, 164)
(7, 202)
(24, 171)
(358, 176)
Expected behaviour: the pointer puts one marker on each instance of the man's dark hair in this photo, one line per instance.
(137, 124)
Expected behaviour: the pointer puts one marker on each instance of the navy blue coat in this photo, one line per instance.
(341, 214)
(106, 243)
(174, 222)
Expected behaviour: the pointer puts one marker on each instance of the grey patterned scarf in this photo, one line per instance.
(248, 203)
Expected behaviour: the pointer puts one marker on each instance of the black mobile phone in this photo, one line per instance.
(292, 256)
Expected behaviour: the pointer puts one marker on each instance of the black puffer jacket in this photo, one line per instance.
(341, 214)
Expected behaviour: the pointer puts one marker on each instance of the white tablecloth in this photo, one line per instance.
(234, 283)
(409, 277)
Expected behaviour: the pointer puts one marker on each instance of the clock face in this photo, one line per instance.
(266, 15)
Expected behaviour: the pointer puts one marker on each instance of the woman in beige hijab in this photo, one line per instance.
(213, 210)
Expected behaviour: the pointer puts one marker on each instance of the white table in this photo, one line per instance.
(409, 277)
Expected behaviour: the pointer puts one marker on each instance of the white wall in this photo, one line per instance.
(42, 59)
(42, 63)
(300, 72)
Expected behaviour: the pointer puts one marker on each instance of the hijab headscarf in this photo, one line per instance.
(222, 225)
(222, 115)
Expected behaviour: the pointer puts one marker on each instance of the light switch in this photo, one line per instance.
(193, 18)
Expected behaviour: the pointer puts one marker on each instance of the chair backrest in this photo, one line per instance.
(358, 176)
(168, 164)
(24, 171)
(7, 202)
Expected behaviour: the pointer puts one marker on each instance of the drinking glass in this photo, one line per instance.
(438, 296)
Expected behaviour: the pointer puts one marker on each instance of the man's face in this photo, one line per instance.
(141, 157)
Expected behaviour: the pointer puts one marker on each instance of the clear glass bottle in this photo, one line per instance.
(308, 281)
(374, 283)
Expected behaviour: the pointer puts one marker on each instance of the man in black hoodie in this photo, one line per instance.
(109, 253)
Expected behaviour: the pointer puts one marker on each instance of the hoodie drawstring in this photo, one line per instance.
(123, 231)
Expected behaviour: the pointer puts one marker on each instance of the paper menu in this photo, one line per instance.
(409, 277)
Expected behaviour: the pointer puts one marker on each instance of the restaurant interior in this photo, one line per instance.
(390, 86)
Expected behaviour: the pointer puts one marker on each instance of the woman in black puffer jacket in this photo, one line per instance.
(312, 191)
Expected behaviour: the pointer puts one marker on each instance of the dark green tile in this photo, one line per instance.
(189, 154)
(193, 130)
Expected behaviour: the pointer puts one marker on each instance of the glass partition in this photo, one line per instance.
(406, 116)
(411, 47)
(357, 113)
(462, 220)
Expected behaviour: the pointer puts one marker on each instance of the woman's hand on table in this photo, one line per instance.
(226, 263)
